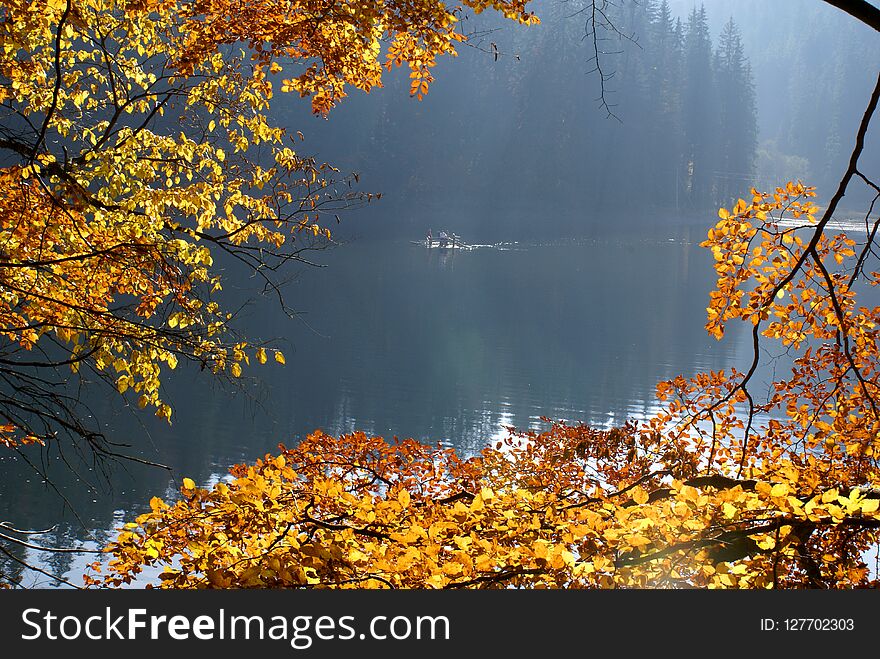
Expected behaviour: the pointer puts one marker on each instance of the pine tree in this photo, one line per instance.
(698, 111)
(665, 97)
(737, 115)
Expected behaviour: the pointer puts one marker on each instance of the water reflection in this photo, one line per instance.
(398, 340)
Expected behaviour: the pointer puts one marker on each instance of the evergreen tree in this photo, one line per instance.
(737, 117)
(698, 111)
(665, 97)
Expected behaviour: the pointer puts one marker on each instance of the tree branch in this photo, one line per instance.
(860, 9)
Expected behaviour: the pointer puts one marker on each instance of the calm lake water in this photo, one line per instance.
(395, 339)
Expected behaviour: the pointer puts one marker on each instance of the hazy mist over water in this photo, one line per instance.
(403, 341)
(520, 148)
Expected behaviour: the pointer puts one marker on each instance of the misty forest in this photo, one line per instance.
(505, 293)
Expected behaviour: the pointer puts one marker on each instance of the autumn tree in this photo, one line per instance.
(721, 488)
(137, 156)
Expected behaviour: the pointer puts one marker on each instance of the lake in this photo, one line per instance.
(398, 340)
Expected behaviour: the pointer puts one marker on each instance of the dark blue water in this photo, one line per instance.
(398, 340)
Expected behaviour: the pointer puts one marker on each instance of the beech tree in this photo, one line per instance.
(136, 149)
(135, 152)
(719, 489)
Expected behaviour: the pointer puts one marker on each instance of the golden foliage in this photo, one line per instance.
(715, 491)
(142, 151)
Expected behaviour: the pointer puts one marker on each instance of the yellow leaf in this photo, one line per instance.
(766, 542)
(261, 355)
(639, 495)
(189, 483)
(779, 490)
(279, 357)
(870, 505)
(236, 370)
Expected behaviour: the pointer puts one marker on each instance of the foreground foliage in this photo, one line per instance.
(705, 494)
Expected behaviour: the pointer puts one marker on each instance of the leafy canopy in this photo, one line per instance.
(137, 150)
